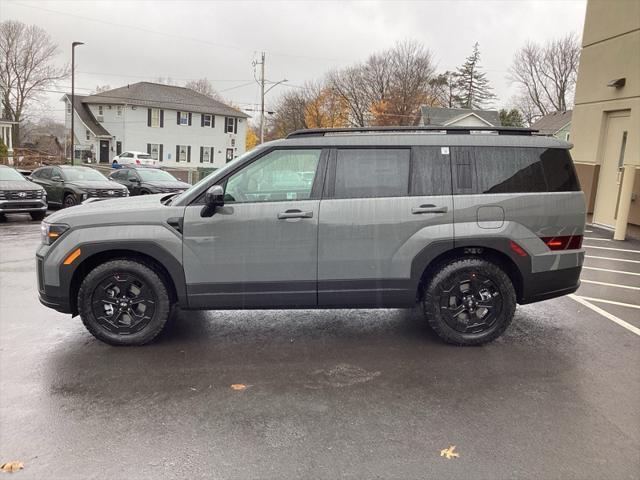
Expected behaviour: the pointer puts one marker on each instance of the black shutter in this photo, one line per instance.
(178, 118)
(235, 125)
(178, 151)
(189, 153)
(148, 117)
(161, 118)
(160, 155)
(213, 120)
(211, 154)
(201, 153)
(189, 118)
(202, 119)
(149, 148)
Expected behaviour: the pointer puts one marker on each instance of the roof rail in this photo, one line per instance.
(321, 132)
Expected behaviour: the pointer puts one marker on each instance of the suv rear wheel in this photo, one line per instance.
(124, 302)
(469, 302)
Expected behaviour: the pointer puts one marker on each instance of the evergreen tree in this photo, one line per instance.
(472, 87)
(511, 118)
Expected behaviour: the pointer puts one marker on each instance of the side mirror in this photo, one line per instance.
(214, 197)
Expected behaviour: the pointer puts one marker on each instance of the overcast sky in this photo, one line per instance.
(130, 41)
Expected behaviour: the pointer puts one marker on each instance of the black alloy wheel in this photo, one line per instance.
(469, 301)
(69, 200)
(124, 302)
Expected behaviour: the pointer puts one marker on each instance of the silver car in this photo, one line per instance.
(466, 224)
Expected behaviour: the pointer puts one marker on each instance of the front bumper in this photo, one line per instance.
(23, 206)
(48, 295)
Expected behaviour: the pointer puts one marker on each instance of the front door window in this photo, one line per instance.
(278, 176)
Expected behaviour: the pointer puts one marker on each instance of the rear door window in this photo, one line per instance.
(367, 173)
(430, 172)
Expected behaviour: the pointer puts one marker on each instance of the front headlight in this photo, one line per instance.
(50, 232)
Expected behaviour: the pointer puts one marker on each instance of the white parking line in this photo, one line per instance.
(615, 259)
(612, 271)
(605, 314)
(610, 284)
(615, 249)
(602, 300)
(598, 239)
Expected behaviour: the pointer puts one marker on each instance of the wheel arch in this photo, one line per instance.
(161, 261)
(513, 267)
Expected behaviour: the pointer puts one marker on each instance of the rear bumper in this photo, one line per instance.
(550, 284)
(23, 206)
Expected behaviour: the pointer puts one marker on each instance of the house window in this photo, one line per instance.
(206, 154)
(69, 107)
(154, 150)
(155, 117)
(100, 110)
(184, 118)
(88, 134)
(207, 120)
(119, 110)
(182, 153)
(231, 125)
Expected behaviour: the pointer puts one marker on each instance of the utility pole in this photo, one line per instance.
(263, 92)
(73, 98)
(262, 99)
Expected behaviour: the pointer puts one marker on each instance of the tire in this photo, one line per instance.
(144, 192)
(116, 324)
(469, 302)
(69, 200)
(39, 216)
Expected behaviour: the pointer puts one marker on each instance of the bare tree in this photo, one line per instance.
(26, 68)
(101, 89)
(204, 87)
(290, 112)
(351, 86)
(547, 73)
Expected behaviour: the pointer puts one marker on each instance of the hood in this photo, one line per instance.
(168, 184)
(145, 209)
(19, 185)
(98, 184)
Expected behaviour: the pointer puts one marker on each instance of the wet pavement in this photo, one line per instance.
(330, 394)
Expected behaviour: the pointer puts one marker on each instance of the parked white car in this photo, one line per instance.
(135, 158)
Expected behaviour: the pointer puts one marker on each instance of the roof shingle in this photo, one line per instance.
(552, 123)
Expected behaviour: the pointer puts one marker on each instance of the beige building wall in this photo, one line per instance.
(610, 50)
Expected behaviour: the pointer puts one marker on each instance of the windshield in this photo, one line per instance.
(144, 156)
(83, 173)
(10, 175)
(156, 176)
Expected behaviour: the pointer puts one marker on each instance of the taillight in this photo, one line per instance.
(569, 242)
(137, 162)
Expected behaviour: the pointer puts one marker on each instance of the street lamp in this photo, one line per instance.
(73, 98)
(263, 93)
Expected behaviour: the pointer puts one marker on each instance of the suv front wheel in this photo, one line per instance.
(124, 302)
(469, 301)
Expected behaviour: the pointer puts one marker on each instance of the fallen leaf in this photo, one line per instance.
(238, 386)
(12, 466)
(449, 452)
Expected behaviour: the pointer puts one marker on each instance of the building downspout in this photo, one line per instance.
(624, 204)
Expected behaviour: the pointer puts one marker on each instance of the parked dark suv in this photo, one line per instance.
(145, 181)
(19, 195)
(464, 223)
(67, 186)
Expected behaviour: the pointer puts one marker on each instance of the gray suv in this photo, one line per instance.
(463, 223)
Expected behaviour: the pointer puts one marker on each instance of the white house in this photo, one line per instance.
(6, 127)
(459, 117)
(176, 125)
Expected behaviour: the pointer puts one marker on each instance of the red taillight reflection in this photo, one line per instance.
(137, 161)
(517, 248)
(569, 242)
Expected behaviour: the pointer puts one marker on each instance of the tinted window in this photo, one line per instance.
(513, 170)
(277, 176)
(431, 172)
(362, 173)
(43, 173)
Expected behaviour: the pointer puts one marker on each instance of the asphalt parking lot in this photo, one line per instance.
(329, 394)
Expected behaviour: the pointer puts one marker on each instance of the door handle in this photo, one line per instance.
(294, 214)
(429, 208)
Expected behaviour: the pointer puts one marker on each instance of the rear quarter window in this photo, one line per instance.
(513, 170)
